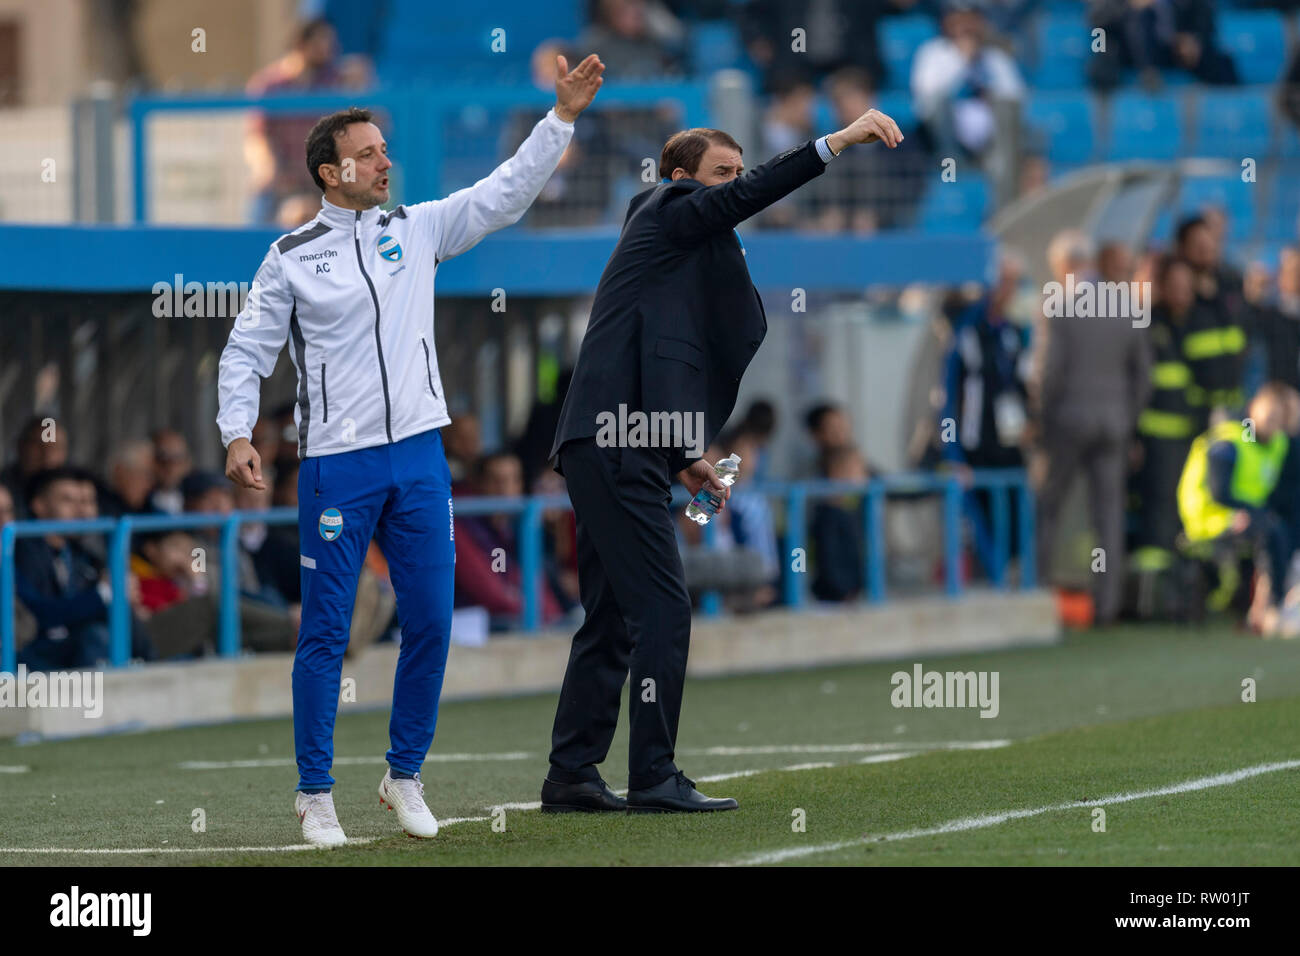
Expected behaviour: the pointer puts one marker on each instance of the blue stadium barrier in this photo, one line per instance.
(529, 262)
(795, 496)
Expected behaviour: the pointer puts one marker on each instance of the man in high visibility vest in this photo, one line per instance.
(1230, 473)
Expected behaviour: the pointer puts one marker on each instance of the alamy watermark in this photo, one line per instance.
(637, 429)
(54, 689)
(922, 688)
(1087, 299)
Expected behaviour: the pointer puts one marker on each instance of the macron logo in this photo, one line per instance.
(76, 909)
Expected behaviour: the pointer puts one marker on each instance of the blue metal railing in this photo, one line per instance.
(1000, 483)
(417, 116)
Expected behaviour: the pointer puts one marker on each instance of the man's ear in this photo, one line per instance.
(680, 173)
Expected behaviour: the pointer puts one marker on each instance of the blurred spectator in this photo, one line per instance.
(876, 188)
(487, 559)
(172, 462)
(636, 39)
(1090, 378)
(1225, 490)
(131, 479)
(982, 421)
(273, 146)
(1215, 345)
(1277, 322)
(956, 79)
(296, 210)
(463, 444)
(759, 424)
(836, 530)
(63, 584)
(829, 427)
(1151, 35)
(40, 445)
(835, 34)
(533, 446)
(750, 513)
(163, 563)
(787, 122)
(1168, 423)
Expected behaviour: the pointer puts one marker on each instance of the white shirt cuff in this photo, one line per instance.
(556, 116)
(824, 150)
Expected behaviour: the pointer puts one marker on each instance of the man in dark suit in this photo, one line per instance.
(674, 325)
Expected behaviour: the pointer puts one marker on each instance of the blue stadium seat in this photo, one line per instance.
(899, 38)
(714, 45)
(1256, 41)
(1063, 45)
(1144, 126)
(898, 104)
(956, 207)
(1065, 124)
(1229, 193)
(1233, 122)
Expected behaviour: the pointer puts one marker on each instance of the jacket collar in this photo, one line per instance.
(347, 218)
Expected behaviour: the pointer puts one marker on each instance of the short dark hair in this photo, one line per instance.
(1186, 226)
(687, 148)
(41, 482)
(310, 29)
(322, 141)
(813, 419)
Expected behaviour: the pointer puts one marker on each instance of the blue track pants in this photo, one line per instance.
(400, 494)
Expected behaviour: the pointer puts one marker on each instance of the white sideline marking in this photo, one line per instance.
(12, 769)
(993, 819)
(345, 761)
(452, 821)
(845, 748)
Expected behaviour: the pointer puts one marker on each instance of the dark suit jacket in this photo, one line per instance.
(676, 319)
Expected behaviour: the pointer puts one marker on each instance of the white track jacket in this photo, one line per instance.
(352, 292)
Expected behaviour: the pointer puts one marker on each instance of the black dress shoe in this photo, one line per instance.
(677, 794)
(591, 796)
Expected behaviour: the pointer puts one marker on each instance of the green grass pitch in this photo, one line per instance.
(1113, 714)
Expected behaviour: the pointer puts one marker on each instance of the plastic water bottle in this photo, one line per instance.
(705, 504)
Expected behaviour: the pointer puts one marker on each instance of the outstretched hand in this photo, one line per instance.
(870, 127)
(575, 90)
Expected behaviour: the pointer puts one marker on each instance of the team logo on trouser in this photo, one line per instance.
(331, 524)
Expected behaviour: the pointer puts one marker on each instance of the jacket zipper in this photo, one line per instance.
(428, 370)
(324, 396)
(379, 345)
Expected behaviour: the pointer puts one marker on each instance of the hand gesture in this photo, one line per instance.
(575, 91)
(244, 465)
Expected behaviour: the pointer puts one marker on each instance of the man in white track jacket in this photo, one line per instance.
(352, 294)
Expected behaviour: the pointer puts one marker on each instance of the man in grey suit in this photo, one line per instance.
(1090, 379)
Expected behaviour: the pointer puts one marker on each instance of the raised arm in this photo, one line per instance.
(717, 208)
(500, 199)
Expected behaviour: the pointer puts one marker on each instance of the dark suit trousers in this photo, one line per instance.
(638, 616)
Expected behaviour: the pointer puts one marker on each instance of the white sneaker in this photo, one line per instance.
(320, 825)
(407, 798)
